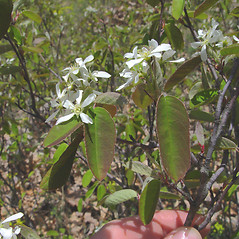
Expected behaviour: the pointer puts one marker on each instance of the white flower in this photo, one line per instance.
(71, 72)
(82, 63)
(209, 37)
(57, 102)
(77, 109)
(7, 232)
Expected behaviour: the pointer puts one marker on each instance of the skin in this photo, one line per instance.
(166, 224)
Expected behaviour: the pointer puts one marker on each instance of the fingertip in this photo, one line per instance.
(184, 232)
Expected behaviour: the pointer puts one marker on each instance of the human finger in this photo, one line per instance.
(185, 233)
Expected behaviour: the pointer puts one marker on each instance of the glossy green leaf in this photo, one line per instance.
(92, 189)
(33, 16)
(62, 147)
(204, 6)
(177, 8)
(5, 48)
(59, 132)
(148, 201)
(101, 191)
(120, 197)
(186, 68)
(173, 135)
(100, 141)
(140, 168)
(153, 3)
(111, 98)
(141, 97)
(59, 173)
(28, 233)
(87, 178)
(175, 36)
(201, 115)
(230, 50)
(204, 97)
(7, 70)
(110, 108)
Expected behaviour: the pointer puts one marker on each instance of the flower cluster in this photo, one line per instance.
(140, 60)
(7, 232)
(209, 39)
(69, 100)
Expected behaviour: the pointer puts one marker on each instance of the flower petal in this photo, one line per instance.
(162, 47)
(68, 105)
(79, 98)
(6, 233)
(64, 118)
(178, 60)
(203, 53)
(89, 58)
(85, 118)
(153, 43)
(89, 99)
(134, 62)
(196, 44)
(101, 74)
(13, 217)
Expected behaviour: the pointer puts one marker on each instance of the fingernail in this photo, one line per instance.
(184, 233)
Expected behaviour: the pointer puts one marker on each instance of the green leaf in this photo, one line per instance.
(5, 48)
(204, 6)
(92, 189)
(59, 132)
(101, 191)
(148, 201)
(100, 141)
(80, 205)
(175, 36)
(153, 3)
(87, 178)
(28, 233)
(201, 115)
(230, 50)
(226, 144)
(58, 174)
(186, 68)
(204, 97)
(110, 98)
(15, 34)
(141, 96)
(235, 12)
(5, 16)
(173, 135)
(32, 49)
(177, 8)
(120, 197)
(139, 167)
(7, 70)
(168, 195)
(62, 147)
(202, 16)
(33, 16)
(199, 133)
